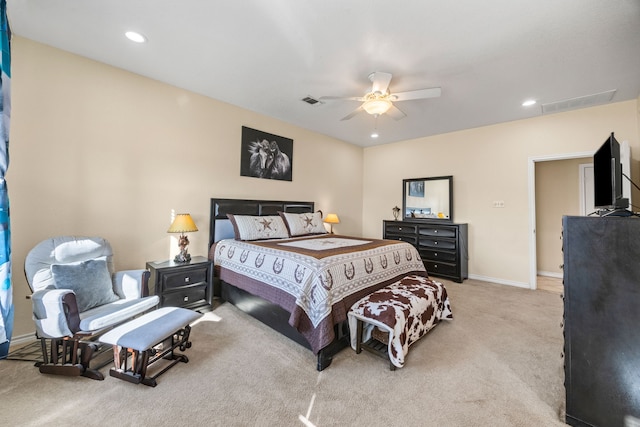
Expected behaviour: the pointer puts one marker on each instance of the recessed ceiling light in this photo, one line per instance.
(135, 37)
(529, 103)
(374, 135)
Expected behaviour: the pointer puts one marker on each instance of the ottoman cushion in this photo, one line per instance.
(406, 309)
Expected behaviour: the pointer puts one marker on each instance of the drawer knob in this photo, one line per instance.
(186, 280)
(185, 299)
(435, 254)
(436, 243)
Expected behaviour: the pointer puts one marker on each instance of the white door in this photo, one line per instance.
(586, 189)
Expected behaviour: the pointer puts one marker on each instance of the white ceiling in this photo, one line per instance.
(266, 55)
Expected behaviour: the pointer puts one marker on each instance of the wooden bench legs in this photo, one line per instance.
(372, 345)
(131, 365)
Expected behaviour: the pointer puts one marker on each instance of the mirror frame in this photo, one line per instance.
(405, 184)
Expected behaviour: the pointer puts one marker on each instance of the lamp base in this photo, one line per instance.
(182, 258)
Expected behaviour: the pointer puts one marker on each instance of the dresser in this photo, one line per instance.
(602, 320)
(442, 245)
(187, 285)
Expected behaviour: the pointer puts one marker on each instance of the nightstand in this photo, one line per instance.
(187, 285)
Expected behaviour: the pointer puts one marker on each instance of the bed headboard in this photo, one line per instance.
(220, 226)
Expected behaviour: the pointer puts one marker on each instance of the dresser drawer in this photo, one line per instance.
(437, 231)
(441, 268)
(186, 277)
(184, 296)
(409, 239)
(439, 256)
(436, 243)
(400, 229)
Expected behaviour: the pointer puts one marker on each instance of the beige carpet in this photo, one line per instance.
(498, 363)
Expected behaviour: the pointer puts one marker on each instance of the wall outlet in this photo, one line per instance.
(498, 203)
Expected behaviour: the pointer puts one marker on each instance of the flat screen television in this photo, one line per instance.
(607, 177)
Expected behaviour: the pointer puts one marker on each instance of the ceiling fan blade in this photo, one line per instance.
(341, 98)
(353, 113)
(432, 92)
(380, 82)
(395, 113)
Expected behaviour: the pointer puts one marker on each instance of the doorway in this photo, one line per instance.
(533, 239)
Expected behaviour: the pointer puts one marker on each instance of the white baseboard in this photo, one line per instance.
(550, 274)
(500, 281)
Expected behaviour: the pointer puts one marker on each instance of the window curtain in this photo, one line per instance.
(6, 292)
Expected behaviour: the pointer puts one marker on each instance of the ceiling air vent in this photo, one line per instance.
(580, 102)
(311, 101)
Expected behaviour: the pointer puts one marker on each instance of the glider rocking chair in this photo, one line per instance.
(77, 296)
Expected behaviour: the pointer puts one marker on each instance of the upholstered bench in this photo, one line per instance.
(387, 321)
(147, 339)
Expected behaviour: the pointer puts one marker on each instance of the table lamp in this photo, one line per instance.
(332, 219)
(182, 223)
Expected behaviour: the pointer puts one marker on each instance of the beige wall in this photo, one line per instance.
(94, 152)
(99, 151)
(557, 194)
(490, 164)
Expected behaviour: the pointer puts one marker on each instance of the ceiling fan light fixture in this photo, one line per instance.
(376, 106)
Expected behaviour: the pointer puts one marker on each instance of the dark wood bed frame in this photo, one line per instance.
(266, 312)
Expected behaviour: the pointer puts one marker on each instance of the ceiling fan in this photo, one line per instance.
(380, 101)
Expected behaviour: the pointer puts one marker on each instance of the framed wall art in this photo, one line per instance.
(416, 188)
(265, 155)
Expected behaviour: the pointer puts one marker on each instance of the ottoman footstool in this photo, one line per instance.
(404, 311)
(147, 339)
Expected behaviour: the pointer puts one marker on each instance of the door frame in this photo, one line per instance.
(583, 187)
(533, 261)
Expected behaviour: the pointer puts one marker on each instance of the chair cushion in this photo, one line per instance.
(89, 280)
(116, 312)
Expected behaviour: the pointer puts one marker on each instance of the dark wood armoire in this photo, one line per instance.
(602, 320)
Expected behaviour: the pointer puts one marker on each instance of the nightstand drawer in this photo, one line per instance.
(185, 277)
(185, 296)
(188, 285)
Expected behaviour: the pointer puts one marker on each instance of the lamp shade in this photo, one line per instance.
(332, 219)
(182, 223)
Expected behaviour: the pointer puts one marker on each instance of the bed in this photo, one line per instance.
(300, 286)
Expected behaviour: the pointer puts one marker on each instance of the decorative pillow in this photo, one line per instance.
(89, 280)
(248, 227)
(304, 223)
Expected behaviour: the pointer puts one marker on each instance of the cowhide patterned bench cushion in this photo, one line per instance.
(406, 309)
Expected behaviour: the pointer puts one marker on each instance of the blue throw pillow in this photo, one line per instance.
(89, 280)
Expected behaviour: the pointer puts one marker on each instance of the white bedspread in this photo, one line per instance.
(329, 268)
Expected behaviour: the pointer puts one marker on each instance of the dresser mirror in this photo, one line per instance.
(428, 199)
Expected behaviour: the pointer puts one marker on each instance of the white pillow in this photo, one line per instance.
(304, 223)
(249, 227)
